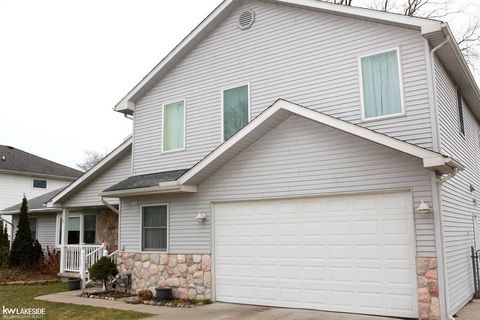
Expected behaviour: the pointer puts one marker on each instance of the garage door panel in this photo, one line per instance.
(350, 253)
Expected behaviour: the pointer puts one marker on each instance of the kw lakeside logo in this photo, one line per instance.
(23, 313)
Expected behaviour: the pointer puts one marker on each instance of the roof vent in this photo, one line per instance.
(246, 19)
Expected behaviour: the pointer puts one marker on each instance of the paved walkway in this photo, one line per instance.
(215, 311)
(470, 312)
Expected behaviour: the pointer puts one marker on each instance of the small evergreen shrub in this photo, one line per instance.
(25, 251)
(4, 245)
(103, 270)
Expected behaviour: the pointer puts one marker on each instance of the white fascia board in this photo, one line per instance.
(127, 103)
(172, 188)
(90, 172)
(431, 158)
(389, 18)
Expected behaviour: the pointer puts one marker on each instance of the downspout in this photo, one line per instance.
(441, 181)
(109, 205)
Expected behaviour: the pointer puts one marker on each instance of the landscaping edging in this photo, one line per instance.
(28, 282)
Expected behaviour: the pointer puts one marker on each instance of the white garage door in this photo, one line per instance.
(351, 253)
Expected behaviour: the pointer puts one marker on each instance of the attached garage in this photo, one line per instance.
(349, 253)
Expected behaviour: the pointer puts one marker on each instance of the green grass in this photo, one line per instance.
(22, 297)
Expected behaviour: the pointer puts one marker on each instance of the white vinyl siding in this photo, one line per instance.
(289, 53)
(46, 226)
(288, 162)
(173, 138)
(457, 199)
(88, 194)
(381, 85)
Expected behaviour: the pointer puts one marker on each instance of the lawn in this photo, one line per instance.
(22, 297)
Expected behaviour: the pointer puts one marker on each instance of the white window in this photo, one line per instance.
(40, 184)
(381, 85)
(155, 228)
(173, 136)
(235, 110)
(460, 112)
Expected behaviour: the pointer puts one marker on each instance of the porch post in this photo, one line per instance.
(65, 215)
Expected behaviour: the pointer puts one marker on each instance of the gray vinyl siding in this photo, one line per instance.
(288, 162)
(307, 57)
(457, 204)
(88, 195)
(46, 228)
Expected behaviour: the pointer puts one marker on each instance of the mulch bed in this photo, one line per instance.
(106, 295)
(174, 303)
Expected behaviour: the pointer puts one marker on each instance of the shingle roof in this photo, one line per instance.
(36, 203)
(12, 159)
(147, 180)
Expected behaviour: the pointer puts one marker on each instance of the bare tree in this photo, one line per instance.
(92, 157)
(469, 41)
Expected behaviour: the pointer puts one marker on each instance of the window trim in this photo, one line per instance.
(461, 113)
(222, 91)
(46, 184)
(184, 100)
(82, 227)
(400, 79)
(167, 249)
(36, 226)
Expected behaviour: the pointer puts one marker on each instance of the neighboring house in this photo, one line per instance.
(22, 173)
(43, 220)
(300, 154)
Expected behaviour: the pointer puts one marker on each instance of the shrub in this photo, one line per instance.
(103, 269)
(25, 250)
(4, 245)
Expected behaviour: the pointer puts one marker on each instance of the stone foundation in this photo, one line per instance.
(188, 275)
(427, 289)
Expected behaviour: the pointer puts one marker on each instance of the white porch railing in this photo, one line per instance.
(73, 253)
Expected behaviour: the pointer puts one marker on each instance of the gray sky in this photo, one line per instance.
(65, 64)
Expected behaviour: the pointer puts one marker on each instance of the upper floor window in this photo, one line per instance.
(39, 184)
(154, 228)
(173, 126)
(460, 112)
(33, 227)
(381, 85)
(236, 110)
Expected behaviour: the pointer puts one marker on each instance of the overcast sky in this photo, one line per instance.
(65, 64)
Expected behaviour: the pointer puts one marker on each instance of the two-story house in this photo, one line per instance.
(23, 173)
(300, 154)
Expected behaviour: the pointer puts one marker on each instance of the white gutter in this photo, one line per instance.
(111, 207)
(164, 187)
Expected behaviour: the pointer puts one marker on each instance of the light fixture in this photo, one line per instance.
(201, 216)
(423, 207)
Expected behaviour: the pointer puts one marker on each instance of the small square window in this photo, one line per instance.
(40, 184)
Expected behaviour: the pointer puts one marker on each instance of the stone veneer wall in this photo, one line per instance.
(427, 289)
(188, 275)
(107, 229)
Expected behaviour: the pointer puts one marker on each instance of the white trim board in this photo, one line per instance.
(431, 160)
(90, 173)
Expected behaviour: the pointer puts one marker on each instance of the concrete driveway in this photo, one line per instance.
(215, 311)
(229, 311)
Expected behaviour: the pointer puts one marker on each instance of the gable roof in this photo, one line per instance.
(261, 125)
(105, 163)
(16, 161)
(280, 111)
(429, 28)
(35, 204)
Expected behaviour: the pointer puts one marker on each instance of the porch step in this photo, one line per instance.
(65, 275)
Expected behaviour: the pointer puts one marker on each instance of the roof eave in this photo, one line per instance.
(173, 187)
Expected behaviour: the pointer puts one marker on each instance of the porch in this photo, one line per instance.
(89, 234)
